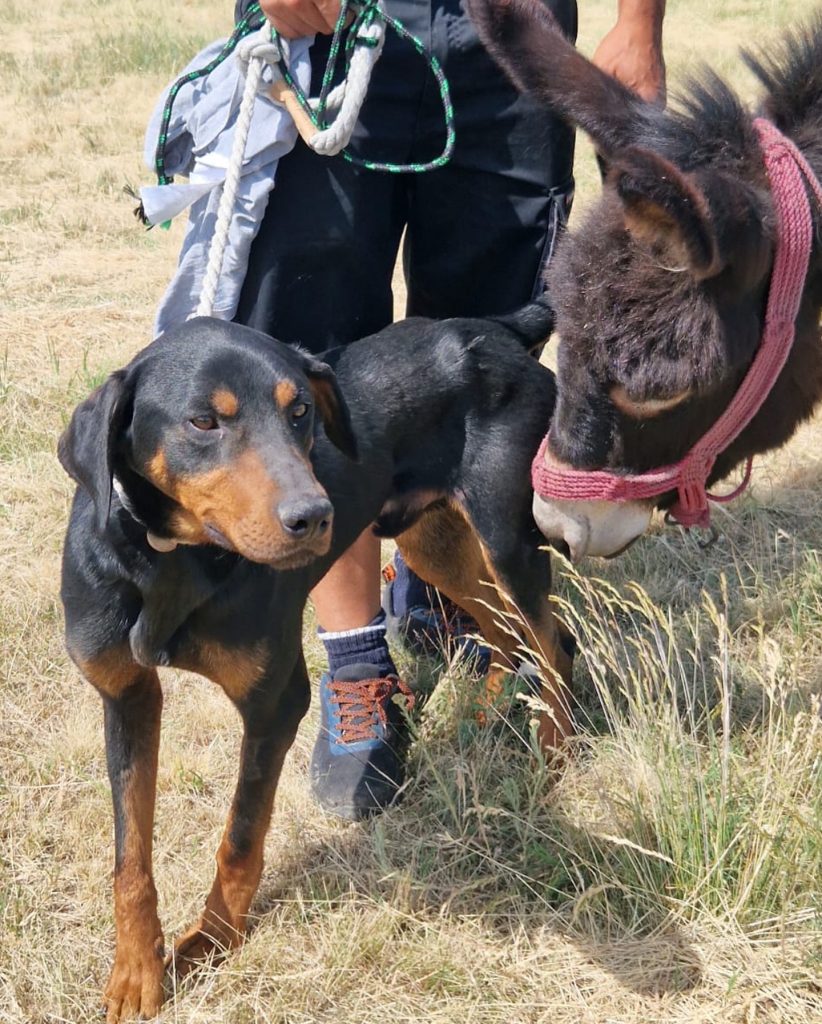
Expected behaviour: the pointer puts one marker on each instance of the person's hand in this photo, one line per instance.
(295, 18)
(632, 53)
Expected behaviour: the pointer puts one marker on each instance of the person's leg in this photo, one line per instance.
(320, 275)
(480, 230)
(320, 268)
(349, 595)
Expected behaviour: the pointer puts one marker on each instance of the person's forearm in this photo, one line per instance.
(643, 15)
(632, 50)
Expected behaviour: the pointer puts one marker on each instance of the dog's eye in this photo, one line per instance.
(203, 422)
(299, 410)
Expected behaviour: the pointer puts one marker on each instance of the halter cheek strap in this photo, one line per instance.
(787, 171)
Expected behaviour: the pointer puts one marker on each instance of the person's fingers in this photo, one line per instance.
(329, 10)
(287, 29)
(294, 18)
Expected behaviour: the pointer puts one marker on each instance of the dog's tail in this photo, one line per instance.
(532, 323)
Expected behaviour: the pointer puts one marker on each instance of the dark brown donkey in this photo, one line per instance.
(661, 293)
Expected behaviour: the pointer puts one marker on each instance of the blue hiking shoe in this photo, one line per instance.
(358, 762)
(433, 630)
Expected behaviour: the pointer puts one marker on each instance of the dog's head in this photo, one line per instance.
(207, 435)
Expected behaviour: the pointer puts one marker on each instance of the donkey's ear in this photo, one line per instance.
(666, 209)
(526, 41)
(87, 446)
(330, 404)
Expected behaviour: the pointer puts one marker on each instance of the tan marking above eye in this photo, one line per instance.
(284, 393)
(225, 402)
(647, 408)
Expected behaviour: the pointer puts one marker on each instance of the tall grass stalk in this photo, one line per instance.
(706, 815)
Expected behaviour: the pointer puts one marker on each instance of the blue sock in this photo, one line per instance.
(364, 646)
(409, 591)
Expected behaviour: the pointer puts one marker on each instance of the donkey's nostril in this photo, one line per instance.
(306, 517)
(561, 546)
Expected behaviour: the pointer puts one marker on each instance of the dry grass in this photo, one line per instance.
(671, 875)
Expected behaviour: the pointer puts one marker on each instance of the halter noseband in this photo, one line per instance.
(787, 171)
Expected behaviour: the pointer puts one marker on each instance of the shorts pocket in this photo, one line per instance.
(560, 200)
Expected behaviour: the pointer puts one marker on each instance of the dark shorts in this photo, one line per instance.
(478, 231)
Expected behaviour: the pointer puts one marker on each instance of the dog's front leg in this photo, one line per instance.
(270, 716)
(132, 724)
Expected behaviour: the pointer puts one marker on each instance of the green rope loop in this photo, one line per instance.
(365, 13)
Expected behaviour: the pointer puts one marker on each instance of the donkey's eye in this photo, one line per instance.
(203, 422)
(299, 410)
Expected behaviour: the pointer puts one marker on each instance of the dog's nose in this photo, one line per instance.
(306, 517)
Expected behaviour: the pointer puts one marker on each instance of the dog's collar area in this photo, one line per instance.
(157, 543)
(788, 172)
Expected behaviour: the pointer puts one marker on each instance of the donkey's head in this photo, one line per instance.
(660, 293)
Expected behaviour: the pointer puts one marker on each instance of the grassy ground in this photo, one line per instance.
(671, 875)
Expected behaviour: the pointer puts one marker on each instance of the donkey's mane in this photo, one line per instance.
(709, 124)
(792, 76)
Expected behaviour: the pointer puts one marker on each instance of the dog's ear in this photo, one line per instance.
(86, 448)
(331, 405)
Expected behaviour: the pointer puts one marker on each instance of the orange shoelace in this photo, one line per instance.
(362, 705)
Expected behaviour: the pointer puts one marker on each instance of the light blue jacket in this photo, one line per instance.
(200, 137)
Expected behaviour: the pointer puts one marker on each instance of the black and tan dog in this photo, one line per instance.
(211, 501)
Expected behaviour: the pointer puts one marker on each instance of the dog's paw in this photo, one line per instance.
(146, 649)
(135, 986)
(202, 942)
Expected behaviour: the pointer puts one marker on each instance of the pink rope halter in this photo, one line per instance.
(787, 171)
